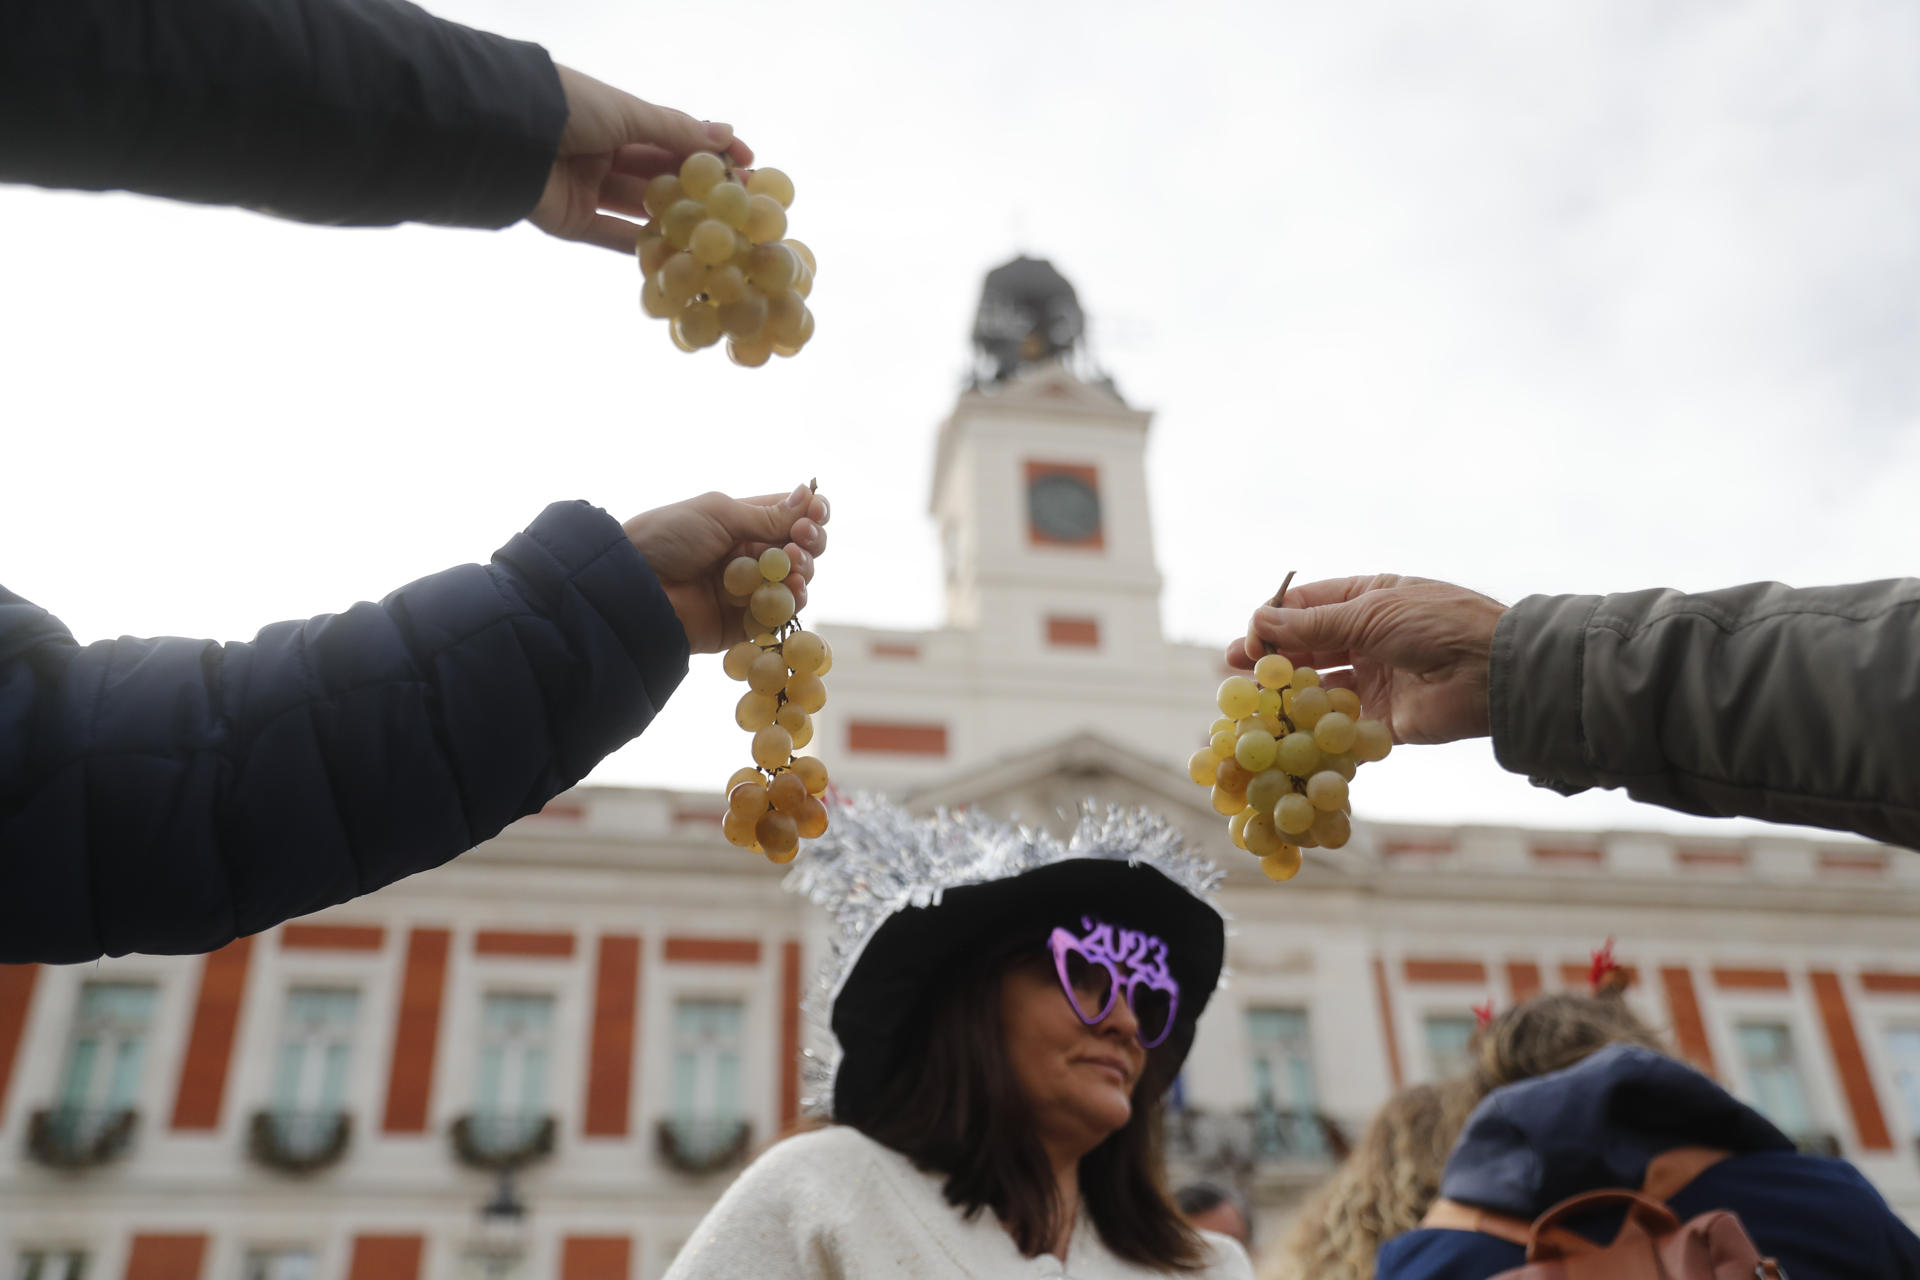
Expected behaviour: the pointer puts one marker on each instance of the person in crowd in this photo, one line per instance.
(1008, 1011)
(1579, 1097)
(1383, 1187)
(1212, 1207)
(341, 112)
(170, 795)
(1763, 701)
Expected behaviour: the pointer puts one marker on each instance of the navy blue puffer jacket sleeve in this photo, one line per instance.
(170, 795)
(352, 112)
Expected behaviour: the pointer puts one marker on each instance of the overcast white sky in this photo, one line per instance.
(1572, 297)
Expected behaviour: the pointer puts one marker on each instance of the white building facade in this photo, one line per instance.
(547, 1058)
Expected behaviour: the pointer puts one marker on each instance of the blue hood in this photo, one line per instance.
(1595, 1124)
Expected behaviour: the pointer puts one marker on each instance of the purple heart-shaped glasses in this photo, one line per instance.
(1103, 964)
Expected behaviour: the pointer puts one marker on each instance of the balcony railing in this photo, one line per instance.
(1281, 1137)
(486, 1140)
(1255, 1138)
(80, 1137)
(703, 1145)
(299, 1141)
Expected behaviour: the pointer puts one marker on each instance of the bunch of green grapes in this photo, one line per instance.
(1279, 760)
(775, 803)
(716, 263)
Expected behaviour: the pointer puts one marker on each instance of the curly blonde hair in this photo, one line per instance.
(1382, 1189)
(1385, 1187)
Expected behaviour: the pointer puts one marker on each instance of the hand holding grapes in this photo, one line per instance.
(612, 144)
(688, 544)
(1419, 649)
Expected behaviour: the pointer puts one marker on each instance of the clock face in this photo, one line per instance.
(1063, 508)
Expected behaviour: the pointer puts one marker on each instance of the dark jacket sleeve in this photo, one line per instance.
(353, 112)
(170, 795)
(1799, 706)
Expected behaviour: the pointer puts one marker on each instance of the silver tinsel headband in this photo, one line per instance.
(877, 859)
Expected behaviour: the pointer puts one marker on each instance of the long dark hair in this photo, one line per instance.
(953, 1106)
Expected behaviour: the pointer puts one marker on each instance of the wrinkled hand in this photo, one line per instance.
(1418, 649)
(612, 144)
(689, 543)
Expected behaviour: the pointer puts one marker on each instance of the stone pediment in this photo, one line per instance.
(1046, 785)
(1074, 760)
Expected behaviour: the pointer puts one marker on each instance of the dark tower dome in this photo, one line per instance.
(1028, 314)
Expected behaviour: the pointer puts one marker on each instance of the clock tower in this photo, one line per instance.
(1040, 484)
(1052, 594)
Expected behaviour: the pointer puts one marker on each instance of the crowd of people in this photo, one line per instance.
(1569, 1094)
(1009, 1019)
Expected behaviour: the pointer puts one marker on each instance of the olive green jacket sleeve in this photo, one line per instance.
(1762, 701)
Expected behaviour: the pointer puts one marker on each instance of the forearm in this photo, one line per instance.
(1797, 706)
(354, 112)
(169, 795)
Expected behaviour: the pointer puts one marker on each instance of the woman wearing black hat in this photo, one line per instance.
(1008, 1012)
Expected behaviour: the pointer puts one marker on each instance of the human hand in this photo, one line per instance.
(1418, 649)
(689, 543)
(613, 143)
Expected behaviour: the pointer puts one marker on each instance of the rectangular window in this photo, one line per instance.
(109, 1046)
(516, 1033)
(51, 1264)
(1903, 1047)
(316, 1048)
(1773, 1074)
(1286, 1098)
(1448, 1041)
(706, 1060)
(280, 1264)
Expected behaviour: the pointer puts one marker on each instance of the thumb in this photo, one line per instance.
(1327, 627)
(767, 520)
(676, 131)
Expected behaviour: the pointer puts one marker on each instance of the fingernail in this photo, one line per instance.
(799, 495)
(719, 134)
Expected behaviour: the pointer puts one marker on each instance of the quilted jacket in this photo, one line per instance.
(1762, 701)
(170, 795)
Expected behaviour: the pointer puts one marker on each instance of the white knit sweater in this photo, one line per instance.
(836, 1205)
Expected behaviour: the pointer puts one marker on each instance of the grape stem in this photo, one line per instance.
(1280, 595)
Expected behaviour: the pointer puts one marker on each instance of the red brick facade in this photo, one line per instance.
(416, 1032)
(216, 1016)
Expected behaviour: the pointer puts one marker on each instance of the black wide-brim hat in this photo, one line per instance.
(903, 965)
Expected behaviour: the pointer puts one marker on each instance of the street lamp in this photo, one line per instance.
(501, 1245)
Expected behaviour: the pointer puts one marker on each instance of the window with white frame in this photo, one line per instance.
(51, 1264)
(516, 1044)
(1773, 1075)
(1286, 1095)
(316, 1049)
(108, 1048)
(1449, 1045)
(280, 1264)
(1903, 1051)
(707, 1053)
(1280, 1050)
